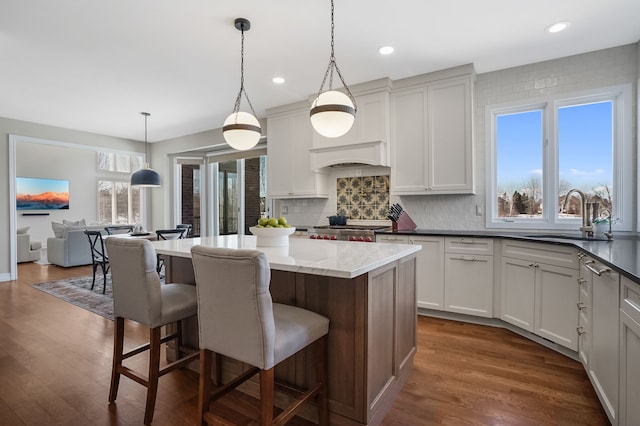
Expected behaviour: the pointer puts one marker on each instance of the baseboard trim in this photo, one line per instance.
(5, 277)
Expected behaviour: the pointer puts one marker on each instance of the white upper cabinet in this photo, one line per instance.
(289, 173)
(368, 140)
(432, 136)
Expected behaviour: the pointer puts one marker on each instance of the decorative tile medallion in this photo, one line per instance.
(363, 198)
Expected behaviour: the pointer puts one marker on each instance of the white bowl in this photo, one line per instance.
(272, 237)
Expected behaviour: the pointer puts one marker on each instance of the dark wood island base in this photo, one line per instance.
(372, 335)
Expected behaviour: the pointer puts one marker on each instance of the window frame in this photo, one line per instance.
(622, 157)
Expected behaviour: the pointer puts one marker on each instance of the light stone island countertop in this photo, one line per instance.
(342, 259)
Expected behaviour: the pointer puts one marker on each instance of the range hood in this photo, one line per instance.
(374, 153)
(368, 140)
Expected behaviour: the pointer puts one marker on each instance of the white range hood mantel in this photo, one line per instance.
(374, 153)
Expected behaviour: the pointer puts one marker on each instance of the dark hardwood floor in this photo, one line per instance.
(55, 364)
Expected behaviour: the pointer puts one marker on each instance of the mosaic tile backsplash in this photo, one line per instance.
(363, 197)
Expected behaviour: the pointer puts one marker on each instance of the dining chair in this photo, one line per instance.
(138, 295)
(237, 319)
(167, 234)
(187, 227)
(99, 258)
(119, 229)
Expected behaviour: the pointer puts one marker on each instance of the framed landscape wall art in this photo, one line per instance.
(42, 194)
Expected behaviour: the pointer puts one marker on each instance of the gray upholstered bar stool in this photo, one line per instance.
(139, 296)
(237, 319)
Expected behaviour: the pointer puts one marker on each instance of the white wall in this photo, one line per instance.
(78, 166)
(580, 72)
(25, 128)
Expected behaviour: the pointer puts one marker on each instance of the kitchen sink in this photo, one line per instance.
(567, 237)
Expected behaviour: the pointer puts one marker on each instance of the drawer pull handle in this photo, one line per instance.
(598, 272)
(581, 331)
(581, 306)
(581, 281)
(465, 258)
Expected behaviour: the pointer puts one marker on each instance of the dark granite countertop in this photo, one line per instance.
(622, 254)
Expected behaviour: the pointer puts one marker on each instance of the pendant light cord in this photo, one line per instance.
(146, 161)
(333, 65)
(236, 107)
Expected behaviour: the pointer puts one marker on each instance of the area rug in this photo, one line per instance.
(77, 291)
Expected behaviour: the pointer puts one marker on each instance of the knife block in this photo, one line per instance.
(405, 223)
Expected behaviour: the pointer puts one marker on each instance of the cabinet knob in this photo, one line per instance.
(581, 331)
(581, 280)
(581, 306)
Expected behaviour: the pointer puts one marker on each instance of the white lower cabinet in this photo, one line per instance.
(541, 297)
(430, 272)
(429, 268)
(605, 323)
(468, 273)
(629, 353)
(585, 304)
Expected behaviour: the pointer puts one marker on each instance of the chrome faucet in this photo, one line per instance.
(586, 228)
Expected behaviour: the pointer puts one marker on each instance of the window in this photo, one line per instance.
(118, 201)
(543, 149)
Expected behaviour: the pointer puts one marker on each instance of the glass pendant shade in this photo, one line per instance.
(332, 114)
(241, 130)
(145, 177)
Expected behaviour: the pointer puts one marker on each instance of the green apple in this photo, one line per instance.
(273, 221)
(263, 221)
(282, 221)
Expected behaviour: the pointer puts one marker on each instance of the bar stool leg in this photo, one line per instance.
(154, 373)
(204, 391)
(266, 396)
(118, 347)
(322, 376)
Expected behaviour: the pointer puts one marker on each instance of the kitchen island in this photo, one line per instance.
(368, 293)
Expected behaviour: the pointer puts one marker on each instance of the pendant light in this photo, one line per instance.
(145, 176)
(333, 113)
(242, 130)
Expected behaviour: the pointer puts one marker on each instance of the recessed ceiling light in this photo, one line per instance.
(386, 50)
(278, 80)
(557, 27)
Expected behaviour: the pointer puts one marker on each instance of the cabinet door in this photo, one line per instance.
(469, 284)
(584, 313)
(517, 293)
(629, 370)
(409, 142)
(450, 142)
(556, 316)
(430, 272)
(289, 163)
(603, 365)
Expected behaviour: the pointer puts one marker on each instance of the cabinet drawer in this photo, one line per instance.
(630, 298)
(469, 245)
(390, 238)
(551, 254)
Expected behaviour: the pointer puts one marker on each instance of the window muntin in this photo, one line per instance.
(614, 123)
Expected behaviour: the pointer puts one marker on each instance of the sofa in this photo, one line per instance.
(28, 251)
(70, 246)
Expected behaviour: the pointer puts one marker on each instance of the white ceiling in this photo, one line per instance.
(93, 65)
